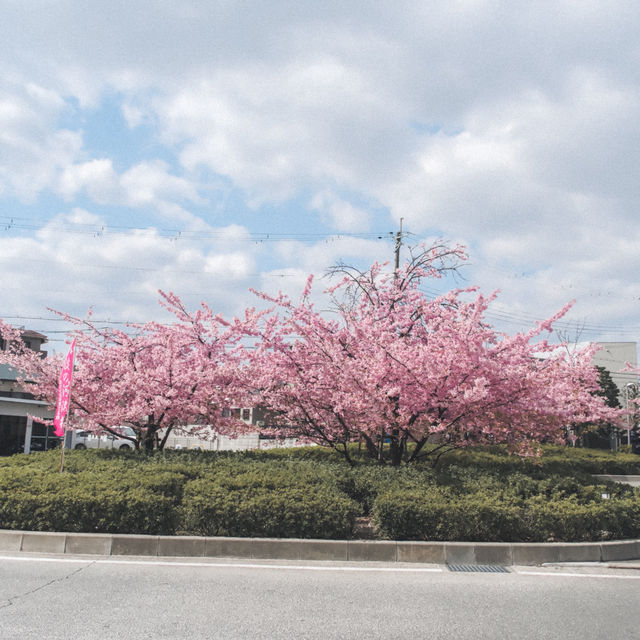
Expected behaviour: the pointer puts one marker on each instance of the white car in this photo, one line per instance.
(86, 440)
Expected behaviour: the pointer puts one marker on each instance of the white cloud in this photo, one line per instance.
(513, 128)
(32, 148)
(96, 176)
(133, 115)
(273, 130)
(77, 262)
(148, 184)
(341, 215)
(70, 267)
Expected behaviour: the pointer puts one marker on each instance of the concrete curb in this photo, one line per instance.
(503, 553)
(634, 481)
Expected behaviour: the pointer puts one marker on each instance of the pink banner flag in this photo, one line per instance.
(64, 392)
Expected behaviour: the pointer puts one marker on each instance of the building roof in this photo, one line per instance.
(27, 333)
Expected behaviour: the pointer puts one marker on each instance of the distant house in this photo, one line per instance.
(18, 431)
(614, 356)
(209, 439)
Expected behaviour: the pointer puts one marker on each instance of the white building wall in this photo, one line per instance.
(614, 356)
(214, 442)
(22, 408)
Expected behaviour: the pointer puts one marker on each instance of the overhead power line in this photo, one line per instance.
(8, 223)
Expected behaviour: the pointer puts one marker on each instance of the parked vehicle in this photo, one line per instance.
(86, 440)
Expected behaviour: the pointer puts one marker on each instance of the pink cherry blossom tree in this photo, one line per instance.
(391, 365)
(154, 378)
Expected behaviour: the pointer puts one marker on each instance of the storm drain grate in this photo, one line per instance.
(478, 568)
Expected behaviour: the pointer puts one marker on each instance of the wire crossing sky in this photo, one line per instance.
(206, 147)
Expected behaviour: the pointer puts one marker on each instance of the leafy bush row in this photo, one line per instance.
(286, 493)
(289, 512)
(293, 499)
(554, 459)
(88, 509)
(484, 517)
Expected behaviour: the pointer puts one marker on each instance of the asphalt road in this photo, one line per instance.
(61, 597)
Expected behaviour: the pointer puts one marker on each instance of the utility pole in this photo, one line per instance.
(398, 245)
(630, 391)
(394, 432)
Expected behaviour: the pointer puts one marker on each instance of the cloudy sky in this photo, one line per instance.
(206, 147)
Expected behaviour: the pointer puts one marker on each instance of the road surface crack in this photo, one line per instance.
(9, 602)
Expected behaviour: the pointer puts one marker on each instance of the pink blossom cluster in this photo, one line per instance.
(154, 378)
(389, 367)
(400, 368)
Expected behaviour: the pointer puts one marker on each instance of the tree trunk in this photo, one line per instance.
(396, 449)
(164, 439)
(372, 450)
(148, 442)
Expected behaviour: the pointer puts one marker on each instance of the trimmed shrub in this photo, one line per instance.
(476, 494)
(363, 484)
(441, 515)
(83, 509)
(444, 515)
(573, 521)
(282, 512)
(132, 502)
(554, 459)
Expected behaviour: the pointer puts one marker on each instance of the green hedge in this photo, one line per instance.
(285, 512)
(479, 494)
(100, 500)
(82, 506)
(103, 492)
(443, 515)
(492, 503)
(554, 459)
(569, 519)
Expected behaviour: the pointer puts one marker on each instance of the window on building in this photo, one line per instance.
(43, 438)
(12, 430)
